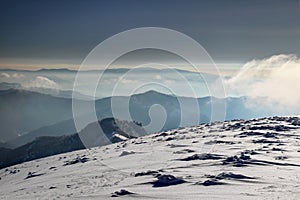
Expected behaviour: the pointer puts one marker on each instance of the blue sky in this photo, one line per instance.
(61, 33)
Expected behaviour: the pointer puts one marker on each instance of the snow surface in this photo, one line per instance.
(240, 159)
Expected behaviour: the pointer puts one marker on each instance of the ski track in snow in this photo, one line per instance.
(239, 159)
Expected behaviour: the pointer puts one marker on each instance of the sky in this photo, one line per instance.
(59, 34)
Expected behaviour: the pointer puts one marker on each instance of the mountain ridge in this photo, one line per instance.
(59, 111)
(43, 146)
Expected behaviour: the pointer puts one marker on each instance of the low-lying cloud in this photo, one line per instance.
(17, 76)
(272, 83)
(42, 82)
(4, 75)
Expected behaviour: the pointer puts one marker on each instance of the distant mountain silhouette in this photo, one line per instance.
(110, 70)
(33, 114)
(39, 148)
(7, 86)
(115, 131)
(23, 111)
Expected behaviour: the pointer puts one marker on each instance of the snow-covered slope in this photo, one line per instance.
(253, 159)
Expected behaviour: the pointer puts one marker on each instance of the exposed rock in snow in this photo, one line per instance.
(79, 159)
(167, 180)
(204, 156)
(211, 182)
(125, 153)
(121, 193)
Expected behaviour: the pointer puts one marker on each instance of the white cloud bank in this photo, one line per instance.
(4, 75)
(272, 83)
(17, 76)
(43, 85)
(42, 82)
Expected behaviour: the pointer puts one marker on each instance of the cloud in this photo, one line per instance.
(4, 75)
(11, 76)
(272, 83)
(42, 82)
(17, 76)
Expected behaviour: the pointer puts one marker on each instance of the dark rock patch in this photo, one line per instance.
(277, 149)
(255, 133)
(282, 128)
(250, 152)
(281, 158)
(248, 133)
(184, 151)
(52, 168)
(295, 122)
(281, 119)
(167, 180)
(265, 141)
(211, 182)
(33, 174)
(229, 175)
(233, 126)
(13, 171)
(244, 160)
(121, 193)
(126, 153)
(270, 135)
(278, 128)
(204, 156)
(169, 139)
(219, 142)
(164, 134)
(237, 161)
(147, 173)
(176, 145)
(79, 159)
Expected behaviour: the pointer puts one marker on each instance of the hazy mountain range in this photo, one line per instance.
(26, 115)
(37, 118)
(52, 81)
